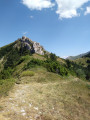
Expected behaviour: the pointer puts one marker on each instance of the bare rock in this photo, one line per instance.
(34, 47)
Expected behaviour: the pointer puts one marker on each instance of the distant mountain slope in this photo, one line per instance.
(79, 56)
(87, 55)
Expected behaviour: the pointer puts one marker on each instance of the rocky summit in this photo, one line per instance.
(27, 43)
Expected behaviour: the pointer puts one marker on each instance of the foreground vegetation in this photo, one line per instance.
(5, 86)
(47, 96)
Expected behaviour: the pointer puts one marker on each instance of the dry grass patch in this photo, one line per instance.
(47, 96)
(37, 56)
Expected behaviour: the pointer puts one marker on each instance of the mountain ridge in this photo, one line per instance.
(13, 54)
(78, 56)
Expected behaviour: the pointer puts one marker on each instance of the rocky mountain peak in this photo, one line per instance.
(27, 43)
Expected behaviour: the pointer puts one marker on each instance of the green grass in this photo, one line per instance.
(27, 73)
(6, 85)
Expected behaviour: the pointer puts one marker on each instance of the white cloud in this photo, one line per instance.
(65, 8)
(24, 33)
(68, 8)
(64, 57)
(38, 4)
(31, 17)
(87, 11)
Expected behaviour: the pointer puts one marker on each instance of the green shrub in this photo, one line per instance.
(33, 62)
(53, 57)
(51, 66)
(80, 73)
(63, 71)
(24, 51)
(6, 74)
(4, 50)
(56, 67)
(77, 69)
(12, 58)
(27, 73)
(88, 86)
(6, 85)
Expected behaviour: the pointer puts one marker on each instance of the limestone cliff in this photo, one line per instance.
(27, 43)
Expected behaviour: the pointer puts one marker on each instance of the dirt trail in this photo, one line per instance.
(17, 105)
(22, 103)
(34, 100)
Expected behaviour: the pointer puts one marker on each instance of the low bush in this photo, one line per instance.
(53, 57)
(80, 73)
(6, 85)
(6, 74)
(88, 86)
(77, 69)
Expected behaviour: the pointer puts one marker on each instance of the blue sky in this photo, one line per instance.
(61, 26)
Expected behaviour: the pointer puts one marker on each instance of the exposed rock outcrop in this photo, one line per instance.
(27, 43)
(38, 49)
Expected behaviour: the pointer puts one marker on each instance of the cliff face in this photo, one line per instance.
(38, 49)
(27, 43)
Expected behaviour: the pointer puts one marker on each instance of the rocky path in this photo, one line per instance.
(48, 101)
(18, 105)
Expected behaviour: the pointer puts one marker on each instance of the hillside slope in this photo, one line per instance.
(47, 96)
(35, 86)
